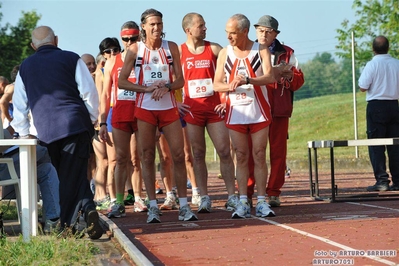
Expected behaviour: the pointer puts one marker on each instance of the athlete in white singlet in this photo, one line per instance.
(155, 60)
(246, 67)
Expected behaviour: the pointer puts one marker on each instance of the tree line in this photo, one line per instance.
(15, 41)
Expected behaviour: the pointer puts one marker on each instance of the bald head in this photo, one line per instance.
(380, 45)
(89, 61)
(188, 19)
(43, 35)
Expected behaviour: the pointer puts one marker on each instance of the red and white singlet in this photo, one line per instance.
(248, 104)
(151, 66)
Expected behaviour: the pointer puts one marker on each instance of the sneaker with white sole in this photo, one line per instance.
(103, 205)
(232, 203)
(169, 203)
(243, 210)
(186, 214)
(153, 215)
(129, 199)
(262, 209)
(140, 206)
(274, 201)
(205, 205)
(196, 200)
(117, 210)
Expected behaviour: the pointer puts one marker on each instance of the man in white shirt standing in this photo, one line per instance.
(380, 80)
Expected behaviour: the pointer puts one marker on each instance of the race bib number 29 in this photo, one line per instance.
(198, 88)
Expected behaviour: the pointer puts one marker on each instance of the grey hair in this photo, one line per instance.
(48, 39)
(242, 21)
(130, 25)
(100, 58)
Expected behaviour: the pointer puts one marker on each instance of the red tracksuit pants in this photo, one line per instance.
(278, 134)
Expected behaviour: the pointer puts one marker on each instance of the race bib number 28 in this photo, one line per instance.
(242, 95)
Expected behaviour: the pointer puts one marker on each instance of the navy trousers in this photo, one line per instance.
(383, 122)
(70, 157)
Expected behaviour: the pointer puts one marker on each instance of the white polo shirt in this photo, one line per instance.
(380, 78)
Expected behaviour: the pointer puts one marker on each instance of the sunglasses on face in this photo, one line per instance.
(131, 39)
(111, 50)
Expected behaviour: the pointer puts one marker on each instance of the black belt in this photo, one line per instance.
(382, 101)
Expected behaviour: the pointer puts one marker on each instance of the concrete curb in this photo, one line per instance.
(134, 253)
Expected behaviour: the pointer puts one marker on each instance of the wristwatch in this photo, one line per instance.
(167, 85)
(247, 79)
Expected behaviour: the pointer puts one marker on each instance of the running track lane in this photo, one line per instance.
(303, 233)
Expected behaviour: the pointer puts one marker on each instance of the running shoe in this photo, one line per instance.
(129, 199)
(153, 215)
(51, 226)
(274, 201)
(262, 209)
(205, 205)
(232, 203)
(103, 205)
(242, 211)
(288, 172)
(174, 193)
(140, 206)
(117, 210)
(158, 189)
(196, 199)
(169, 203)
(186, 214)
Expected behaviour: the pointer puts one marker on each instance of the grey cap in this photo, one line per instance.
(269, 22)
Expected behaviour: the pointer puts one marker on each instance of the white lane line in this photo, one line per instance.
(327, 241)
(373, 206)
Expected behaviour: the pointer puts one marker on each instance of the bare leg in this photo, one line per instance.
(146, 138)
(111, 166)
(102, 168)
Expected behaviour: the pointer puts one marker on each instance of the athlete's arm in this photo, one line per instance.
(219, 83)
(267, 68)
(216, 48)
(105, 97)
(128, 65)
(178, 81)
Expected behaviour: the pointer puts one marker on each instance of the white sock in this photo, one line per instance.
(153, 203)
(195, 190)
(182, 201)
(261, 198)
(244, 198)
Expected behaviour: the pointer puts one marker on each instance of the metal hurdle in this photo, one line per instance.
(331, 144)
